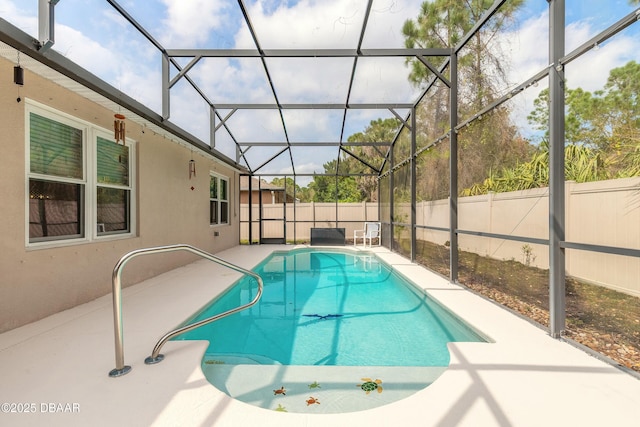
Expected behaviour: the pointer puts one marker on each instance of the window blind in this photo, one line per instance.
(113, 162)
(55, 148)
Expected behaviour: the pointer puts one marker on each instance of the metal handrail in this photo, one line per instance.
(121, 368)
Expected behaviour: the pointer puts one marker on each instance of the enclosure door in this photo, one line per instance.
(272, 220)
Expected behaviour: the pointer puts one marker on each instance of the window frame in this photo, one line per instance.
(80, 181)
(89, 181)
(219, 201)
(98, 133)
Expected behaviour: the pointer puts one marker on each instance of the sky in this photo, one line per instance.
(94, 35)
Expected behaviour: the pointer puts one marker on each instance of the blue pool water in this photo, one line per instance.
(336, 308)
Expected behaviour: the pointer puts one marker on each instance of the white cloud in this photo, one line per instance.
(256, 126)
(590, 71)
(189, 110)
(307, 167)
(190, 23)
(308, 24)
(528, 50)
(84, 51)
(131, 64)
(383, 80)
(126, 63)
(315, 24)
(311, 80)
(384, 29)
(232, 81)
(129, 81)
(24, 19)
(313, 125)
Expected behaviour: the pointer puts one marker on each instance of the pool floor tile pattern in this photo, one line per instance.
(318, 389)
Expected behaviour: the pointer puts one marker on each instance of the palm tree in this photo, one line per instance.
(582, 164)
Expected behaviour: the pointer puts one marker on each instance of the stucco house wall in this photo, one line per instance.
(170, 208)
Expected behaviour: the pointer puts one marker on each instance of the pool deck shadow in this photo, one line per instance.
(523, 378)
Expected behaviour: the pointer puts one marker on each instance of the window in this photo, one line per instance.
(55, 210)
(56, 180)
(113, 193)
(76, 175)
(218, 200)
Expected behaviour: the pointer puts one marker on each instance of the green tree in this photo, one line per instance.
(331, 188)
(368, 159)
(305, 195)
(290, 188)
(580, 118)
(583, 164)
(485, 145)
(602, 136)
(607, 120)
(359, 161)
(444, 23)
(622, 101)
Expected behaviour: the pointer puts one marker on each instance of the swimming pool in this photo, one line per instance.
(334, 309)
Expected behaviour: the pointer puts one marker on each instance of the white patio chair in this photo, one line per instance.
(370, 232)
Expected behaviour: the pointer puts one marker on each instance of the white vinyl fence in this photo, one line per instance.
(603, 213)
(306, 216)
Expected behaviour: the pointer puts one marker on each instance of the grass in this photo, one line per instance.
(602, 319)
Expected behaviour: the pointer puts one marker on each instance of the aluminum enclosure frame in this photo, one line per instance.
(556, 124)
(555, 72)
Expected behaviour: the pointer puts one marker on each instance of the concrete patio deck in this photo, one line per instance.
(57, 367)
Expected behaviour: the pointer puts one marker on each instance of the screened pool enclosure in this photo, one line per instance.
(340, 112)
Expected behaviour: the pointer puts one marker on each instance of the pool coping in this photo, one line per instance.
(523, 378)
